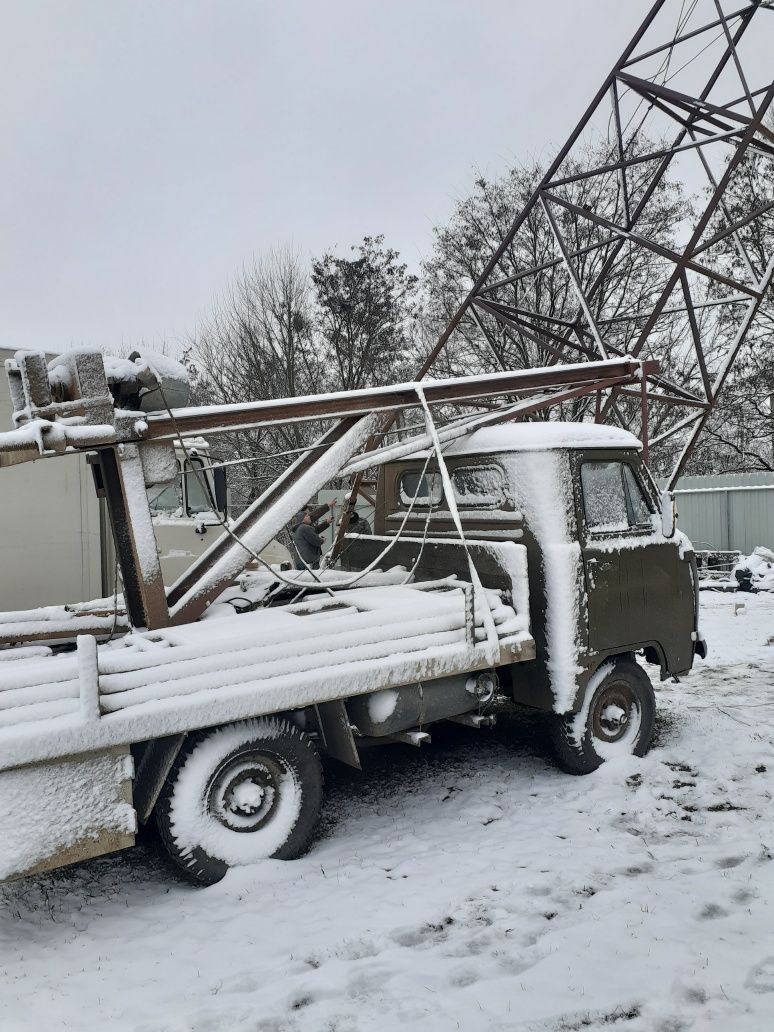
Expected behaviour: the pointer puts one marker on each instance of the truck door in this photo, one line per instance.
(631, 570)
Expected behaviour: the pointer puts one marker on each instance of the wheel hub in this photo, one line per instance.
(613, 718)
(245, 797)
(244, 792)
(612, 712)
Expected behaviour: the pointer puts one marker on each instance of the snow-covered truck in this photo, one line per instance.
(533, 560)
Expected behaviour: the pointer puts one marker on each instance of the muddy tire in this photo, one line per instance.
(238, 794)
(617, 718)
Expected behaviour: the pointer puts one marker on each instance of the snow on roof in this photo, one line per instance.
(540, 437)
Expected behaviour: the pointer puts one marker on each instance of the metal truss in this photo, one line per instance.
(685, 103)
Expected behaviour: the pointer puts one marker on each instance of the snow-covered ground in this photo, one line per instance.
(469, 886)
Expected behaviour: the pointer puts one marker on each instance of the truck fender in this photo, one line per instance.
(655, 654)
(588, 673)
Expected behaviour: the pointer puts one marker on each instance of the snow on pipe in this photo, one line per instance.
(239, 641)
(38, 711)
(34, 692)
(256, 630)
(40, 693)
(262, 673)
(26, 673)
(216, 672)
(445, 435)
(57, 677)
(319, 648)
(224, 418)
(24, 652)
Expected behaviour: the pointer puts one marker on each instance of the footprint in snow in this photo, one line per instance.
(743, 896)
(245, 983)
(462, 979)
(727, 862)
(761, 977)
(426, 935)
(711, 911)
(369, 983)
(274, 1025)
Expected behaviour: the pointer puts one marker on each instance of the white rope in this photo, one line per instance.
(276, 573)
(493, 641)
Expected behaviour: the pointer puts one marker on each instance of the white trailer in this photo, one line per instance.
(55, 541)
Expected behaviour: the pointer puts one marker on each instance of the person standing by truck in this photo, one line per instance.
(357, 524)
(307, 535)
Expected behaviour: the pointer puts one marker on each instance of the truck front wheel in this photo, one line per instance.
(238, 794)
(617, 718)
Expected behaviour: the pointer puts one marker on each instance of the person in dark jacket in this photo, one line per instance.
(307, 535)
(357, 525)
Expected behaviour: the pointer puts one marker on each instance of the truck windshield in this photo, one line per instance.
(475, 486)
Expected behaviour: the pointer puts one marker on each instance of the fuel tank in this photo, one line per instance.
(414, 705)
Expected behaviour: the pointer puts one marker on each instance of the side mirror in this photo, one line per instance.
(668, 514)
(220, 482)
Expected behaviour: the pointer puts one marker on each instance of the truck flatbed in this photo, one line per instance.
(154, 683)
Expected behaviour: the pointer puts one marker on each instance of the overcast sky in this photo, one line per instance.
(150, 147)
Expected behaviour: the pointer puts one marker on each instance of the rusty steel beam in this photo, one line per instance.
(218, 567)
(214, 419)
(123, 485)
(253, 513)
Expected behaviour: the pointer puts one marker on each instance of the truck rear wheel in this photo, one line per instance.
(238, 794)
(617, 718)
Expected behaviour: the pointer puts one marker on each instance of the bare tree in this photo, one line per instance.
(258, 343)
(740, 435)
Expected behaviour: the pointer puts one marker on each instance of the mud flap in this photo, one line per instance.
(336, 734)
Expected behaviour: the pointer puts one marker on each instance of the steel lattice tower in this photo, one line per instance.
(686, 102)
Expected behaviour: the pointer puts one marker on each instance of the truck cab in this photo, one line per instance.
(609, 579)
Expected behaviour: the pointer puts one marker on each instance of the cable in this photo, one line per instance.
(252, 552)
(116, 575)
(489, 624)
(295, 451)
(221, 519)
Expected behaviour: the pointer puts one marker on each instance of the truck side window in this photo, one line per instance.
(427, 488)
(196, 488)
(639, 513)
(604, 501)
(482, 486)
